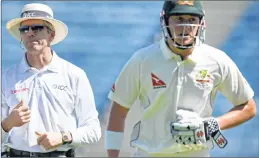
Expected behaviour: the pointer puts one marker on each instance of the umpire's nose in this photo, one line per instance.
(30, 33)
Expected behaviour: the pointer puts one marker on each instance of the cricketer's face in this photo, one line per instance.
(184, 28)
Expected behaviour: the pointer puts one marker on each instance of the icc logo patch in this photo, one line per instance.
(59, 87)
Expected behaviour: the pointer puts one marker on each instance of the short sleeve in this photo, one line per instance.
(125, 90)
(233, 85)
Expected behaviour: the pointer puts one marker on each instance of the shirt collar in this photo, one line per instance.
(54, 65)
(23, 66)
(168, 54)
(196, 55)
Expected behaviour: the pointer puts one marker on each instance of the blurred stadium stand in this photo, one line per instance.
(242, 46)
(103, 35)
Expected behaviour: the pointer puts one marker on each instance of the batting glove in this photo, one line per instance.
(197, 131)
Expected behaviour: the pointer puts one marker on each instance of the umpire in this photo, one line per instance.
(48, 107)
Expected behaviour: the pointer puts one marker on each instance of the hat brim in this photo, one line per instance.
(61, 29)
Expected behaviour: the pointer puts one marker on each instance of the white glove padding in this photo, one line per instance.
(195, 130)
(189, 131)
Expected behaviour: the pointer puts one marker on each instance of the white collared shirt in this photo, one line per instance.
(164, 83)
(60, 94)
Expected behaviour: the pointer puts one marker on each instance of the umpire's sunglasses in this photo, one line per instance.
(34, 28)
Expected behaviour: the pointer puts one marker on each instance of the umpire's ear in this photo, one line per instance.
(52, 35)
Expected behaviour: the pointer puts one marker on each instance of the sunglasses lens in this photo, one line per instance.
(23, 29)
(34, 28)
(37, 28)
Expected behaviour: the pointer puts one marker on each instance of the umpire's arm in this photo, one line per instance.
(89, 129)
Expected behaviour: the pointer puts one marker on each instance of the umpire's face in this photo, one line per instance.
(36, 35)
(184, 28)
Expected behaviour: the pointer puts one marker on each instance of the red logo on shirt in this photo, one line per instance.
(19, 90)
(157, 83)
(113, 87)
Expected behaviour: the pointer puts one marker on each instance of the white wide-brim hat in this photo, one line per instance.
(42, 12)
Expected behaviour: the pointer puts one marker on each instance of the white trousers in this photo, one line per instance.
(201, 153)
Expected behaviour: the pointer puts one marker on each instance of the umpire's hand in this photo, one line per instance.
(49, 140)
(19, 116)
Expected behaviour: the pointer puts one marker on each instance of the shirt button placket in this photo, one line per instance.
(38, 84)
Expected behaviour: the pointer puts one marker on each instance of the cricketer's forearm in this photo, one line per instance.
(237, 115)
(116, 123)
